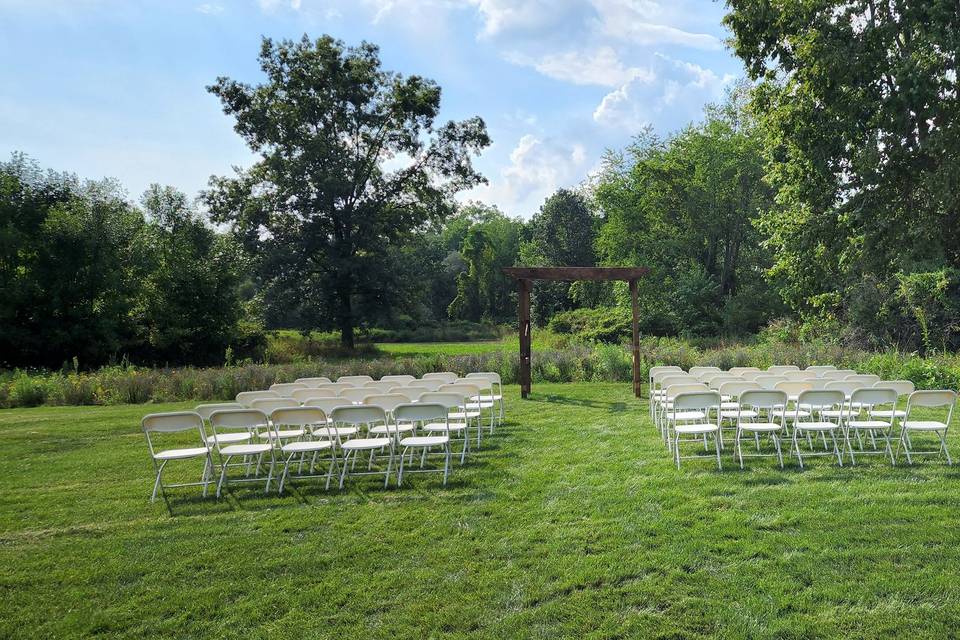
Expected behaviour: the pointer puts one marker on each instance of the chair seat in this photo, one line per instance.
(791, 414)
(366, 443)
(702, 427)
(442, 426)
(400, 428)
(759, 426)
(480, 405)
(284, 434)
(424, 441)
(868, 424)
(227, 438)
(924, 425)
(253, 449)
(744, 413)
(729, 405)
(688, 415)
(326, 432)
(837, 413)
(494, 398)
(815, 426)
(888, 413)
(460, 415)
(179, 454)
(307, 445)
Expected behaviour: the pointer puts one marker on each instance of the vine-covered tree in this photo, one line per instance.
(351, 160)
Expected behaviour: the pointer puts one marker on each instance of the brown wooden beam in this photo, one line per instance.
(576, 273)
(524, 327)
(636, 338)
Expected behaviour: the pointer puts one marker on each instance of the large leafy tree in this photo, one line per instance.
(562, 233)
(351, 161)
(860, 102)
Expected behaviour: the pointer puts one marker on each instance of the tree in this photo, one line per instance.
(561, 235)
(189, 307)
(351, 161)
(860, 104)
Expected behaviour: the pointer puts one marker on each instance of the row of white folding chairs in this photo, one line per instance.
(382, 425)
(865, 413)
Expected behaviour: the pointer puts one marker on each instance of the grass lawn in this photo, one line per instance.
(415, 349)
(571, 522)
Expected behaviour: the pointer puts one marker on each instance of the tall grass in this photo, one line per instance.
(554, 360)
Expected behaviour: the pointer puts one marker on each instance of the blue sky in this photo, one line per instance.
(117, 89)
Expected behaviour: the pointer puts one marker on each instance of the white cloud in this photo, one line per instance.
(537, 167)
(600, 67)
(273, 5)
(646, 22)
(209, 8)
(685, 88)
(508, 15)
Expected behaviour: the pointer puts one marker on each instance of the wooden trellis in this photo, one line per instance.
(525, 275)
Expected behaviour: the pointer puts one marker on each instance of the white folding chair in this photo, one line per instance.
(336, 433)
(356, 395)
(791, 411)
(423, 413)
(206, 410)
(267, 405)
(471, 409)
(246, 398)
(690, 416)
(430, 384)
(380, 386)
(696, 371)
(445, 377)
(820, 369)
(667, 415)
(455, 405)
(285, 389)
(873, 427)
(366, 417)
(739, 371)
(769, 382)
(399, 380)
(388, 402)
(354, 381)
(250, 421)
(158, 425)
(760, 419)
(314, 382)
(731, 410)
(778, 369)
(497, 395)
(867, 379)
(903, 388)
(929, 400)
(336, 387)
(799, 375)
(413, 393)
(302, 395)
(819, 402)
(303, 419)
(838, 374)
(483, 401)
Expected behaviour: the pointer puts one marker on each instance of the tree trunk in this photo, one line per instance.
(346, 318)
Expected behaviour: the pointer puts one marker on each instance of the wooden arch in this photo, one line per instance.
(524, 276)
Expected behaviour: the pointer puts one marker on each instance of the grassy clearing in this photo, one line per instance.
(571, 522)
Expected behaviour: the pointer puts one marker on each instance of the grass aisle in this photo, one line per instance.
(571, 522)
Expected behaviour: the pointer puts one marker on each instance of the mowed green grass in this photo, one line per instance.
(415, 349)
(570, 522)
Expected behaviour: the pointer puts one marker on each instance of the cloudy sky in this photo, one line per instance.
(117, 88)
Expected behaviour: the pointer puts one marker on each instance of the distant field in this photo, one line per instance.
(413, 349)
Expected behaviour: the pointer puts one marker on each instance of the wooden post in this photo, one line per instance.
(524, 324)
(636, 338)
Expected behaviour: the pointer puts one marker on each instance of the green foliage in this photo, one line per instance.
(603, 324)
(324, 217)
(859, 105)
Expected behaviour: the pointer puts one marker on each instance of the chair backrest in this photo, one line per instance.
(821, 398)
(386, 401)
(697, 400)
(820, 369)
(327, 405)
(695, 371)
(431, 384)
(769, 382)
(399, 380)
(314, 382)
(874, 396)
(443, 376)
(302, 395)
(676, 379)
(846, 386)
(718, 381)
(739, 371)
(902, 387)
(736, 389)
(336, 387)
(298, 416)
(662, 368)
(820, 383)
(234, 420)
(354, 381)
(799, 375)
(764, 399)
(285, 389)
(707, 376)
(420, 412)
(691, 387)
(932, 398)
(468, 390)
(448, 400)
(206, 409)
(838, 374)
(246, 397)
(355, 395)
(753, 374)
(267, 405)
(793, 387)
(492, 376)
(777, 369)
(868, 379)
(412, 393)
(381, 386)
(485, 385)
(358, 414)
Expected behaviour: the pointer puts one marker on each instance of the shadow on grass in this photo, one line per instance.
(610, 407)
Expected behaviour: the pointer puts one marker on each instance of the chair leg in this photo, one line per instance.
(716, 444)
(156, 484)
(776, 443)
(676, 450)
(943, 443)
(796, 445)
(223, 475)
(446, 462)
(403, 456)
